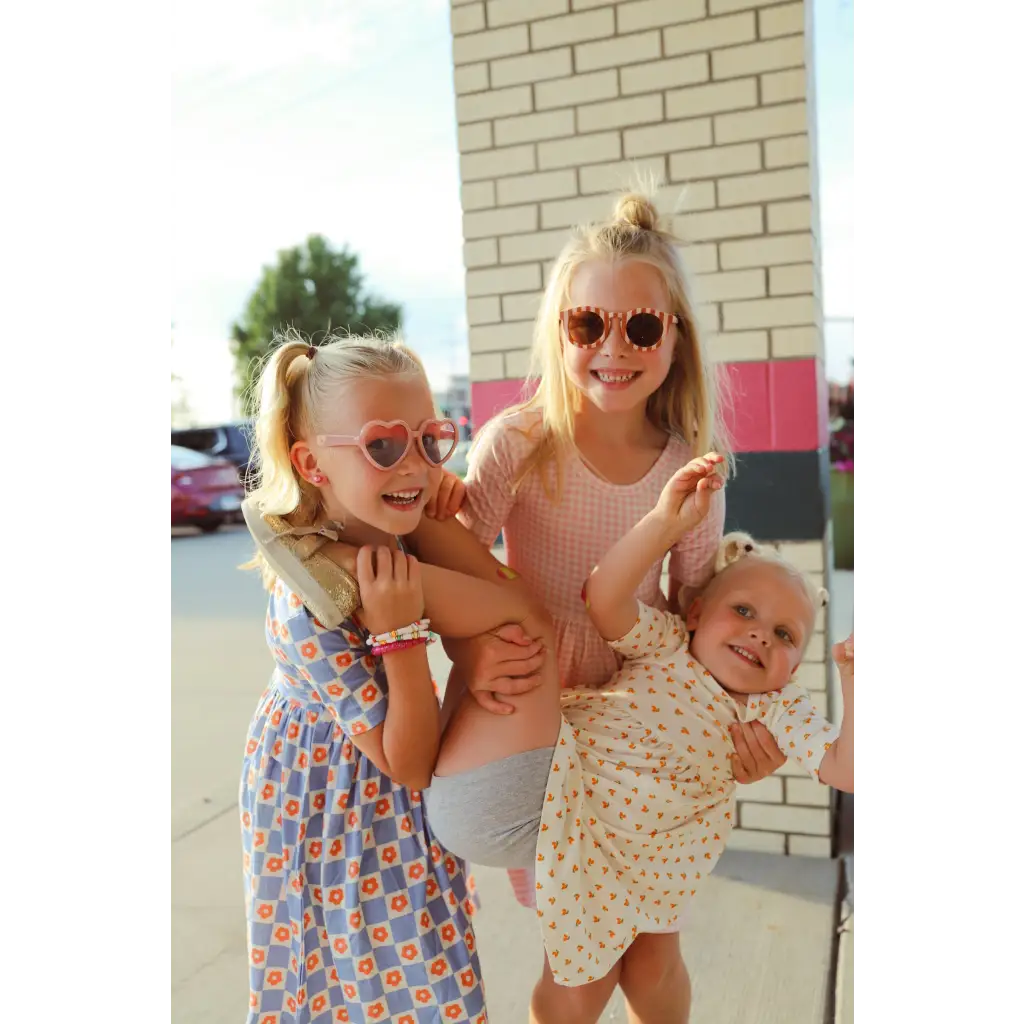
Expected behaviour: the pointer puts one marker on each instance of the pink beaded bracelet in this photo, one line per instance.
(397, 645)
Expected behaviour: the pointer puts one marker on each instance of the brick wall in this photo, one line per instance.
(557, 102)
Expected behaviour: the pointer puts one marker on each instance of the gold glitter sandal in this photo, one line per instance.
(293, 552)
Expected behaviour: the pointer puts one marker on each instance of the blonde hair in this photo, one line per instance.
(686, 404)
(290, 393)
(737, 547)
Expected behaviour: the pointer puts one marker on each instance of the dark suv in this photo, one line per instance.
(231, 441)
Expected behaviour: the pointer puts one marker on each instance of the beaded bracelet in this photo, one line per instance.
(397, 645)
(415, 630)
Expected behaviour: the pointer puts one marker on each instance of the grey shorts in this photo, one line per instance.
(491, 815)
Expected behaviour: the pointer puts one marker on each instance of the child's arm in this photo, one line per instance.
(471, 600)
(683, 504)
(836, 768)
(691, 562)
(404, 746)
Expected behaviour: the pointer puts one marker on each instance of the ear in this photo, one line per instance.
(304, 461)
(693, 613)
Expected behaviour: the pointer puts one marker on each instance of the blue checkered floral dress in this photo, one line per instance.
(355, 912)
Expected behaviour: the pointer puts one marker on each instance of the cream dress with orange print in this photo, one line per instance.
(640, 798)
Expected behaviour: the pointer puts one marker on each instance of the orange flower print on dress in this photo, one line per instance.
(300, 764)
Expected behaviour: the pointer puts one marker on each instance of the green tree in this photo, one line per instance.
(314, 289)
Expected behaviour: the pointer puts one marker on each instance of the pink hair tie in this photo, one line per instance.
(310, 352)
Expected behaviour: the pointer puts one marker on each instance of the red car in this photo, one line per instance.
(205, 492)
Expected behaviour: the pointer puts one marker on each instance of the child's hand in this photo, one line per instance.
(505, 662)
(686, 498)
(447, 499)
(390, 588)
(842, 652)
(757, 754)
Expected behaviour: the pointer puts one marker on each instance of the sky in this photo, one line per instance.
(337, 118)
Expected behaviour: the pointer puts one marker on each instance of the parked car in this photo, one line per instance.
(229, 441)
(205, 492)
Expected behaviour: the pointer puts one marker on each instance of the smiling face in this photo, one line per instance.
(613, 376)
(751, 625)
(368, 500)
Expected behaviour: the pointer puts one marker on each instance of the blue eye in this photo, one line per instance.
(743, 610)
(784, 634)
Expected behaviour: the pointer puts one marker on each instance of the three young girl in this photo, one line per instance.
(356, 911)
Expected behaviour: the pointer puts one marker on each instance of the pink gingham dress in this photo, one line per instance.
(556, 547)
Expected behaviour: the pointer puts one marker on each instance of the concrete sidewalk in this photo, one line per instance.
(760, 940)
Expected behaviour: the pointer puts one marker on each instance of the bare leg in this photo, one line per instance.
(471, 600)
(655, 981)
(474, 736)
(555, 1004)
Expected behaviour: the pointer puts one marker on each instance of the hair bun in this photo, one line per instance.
(637, 210)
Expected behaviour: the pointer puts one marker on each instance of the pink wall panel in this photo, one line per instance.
(491, 396)
(776, 405)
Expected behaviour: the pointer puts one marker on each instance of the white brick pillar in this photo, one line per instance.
(557, 101)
